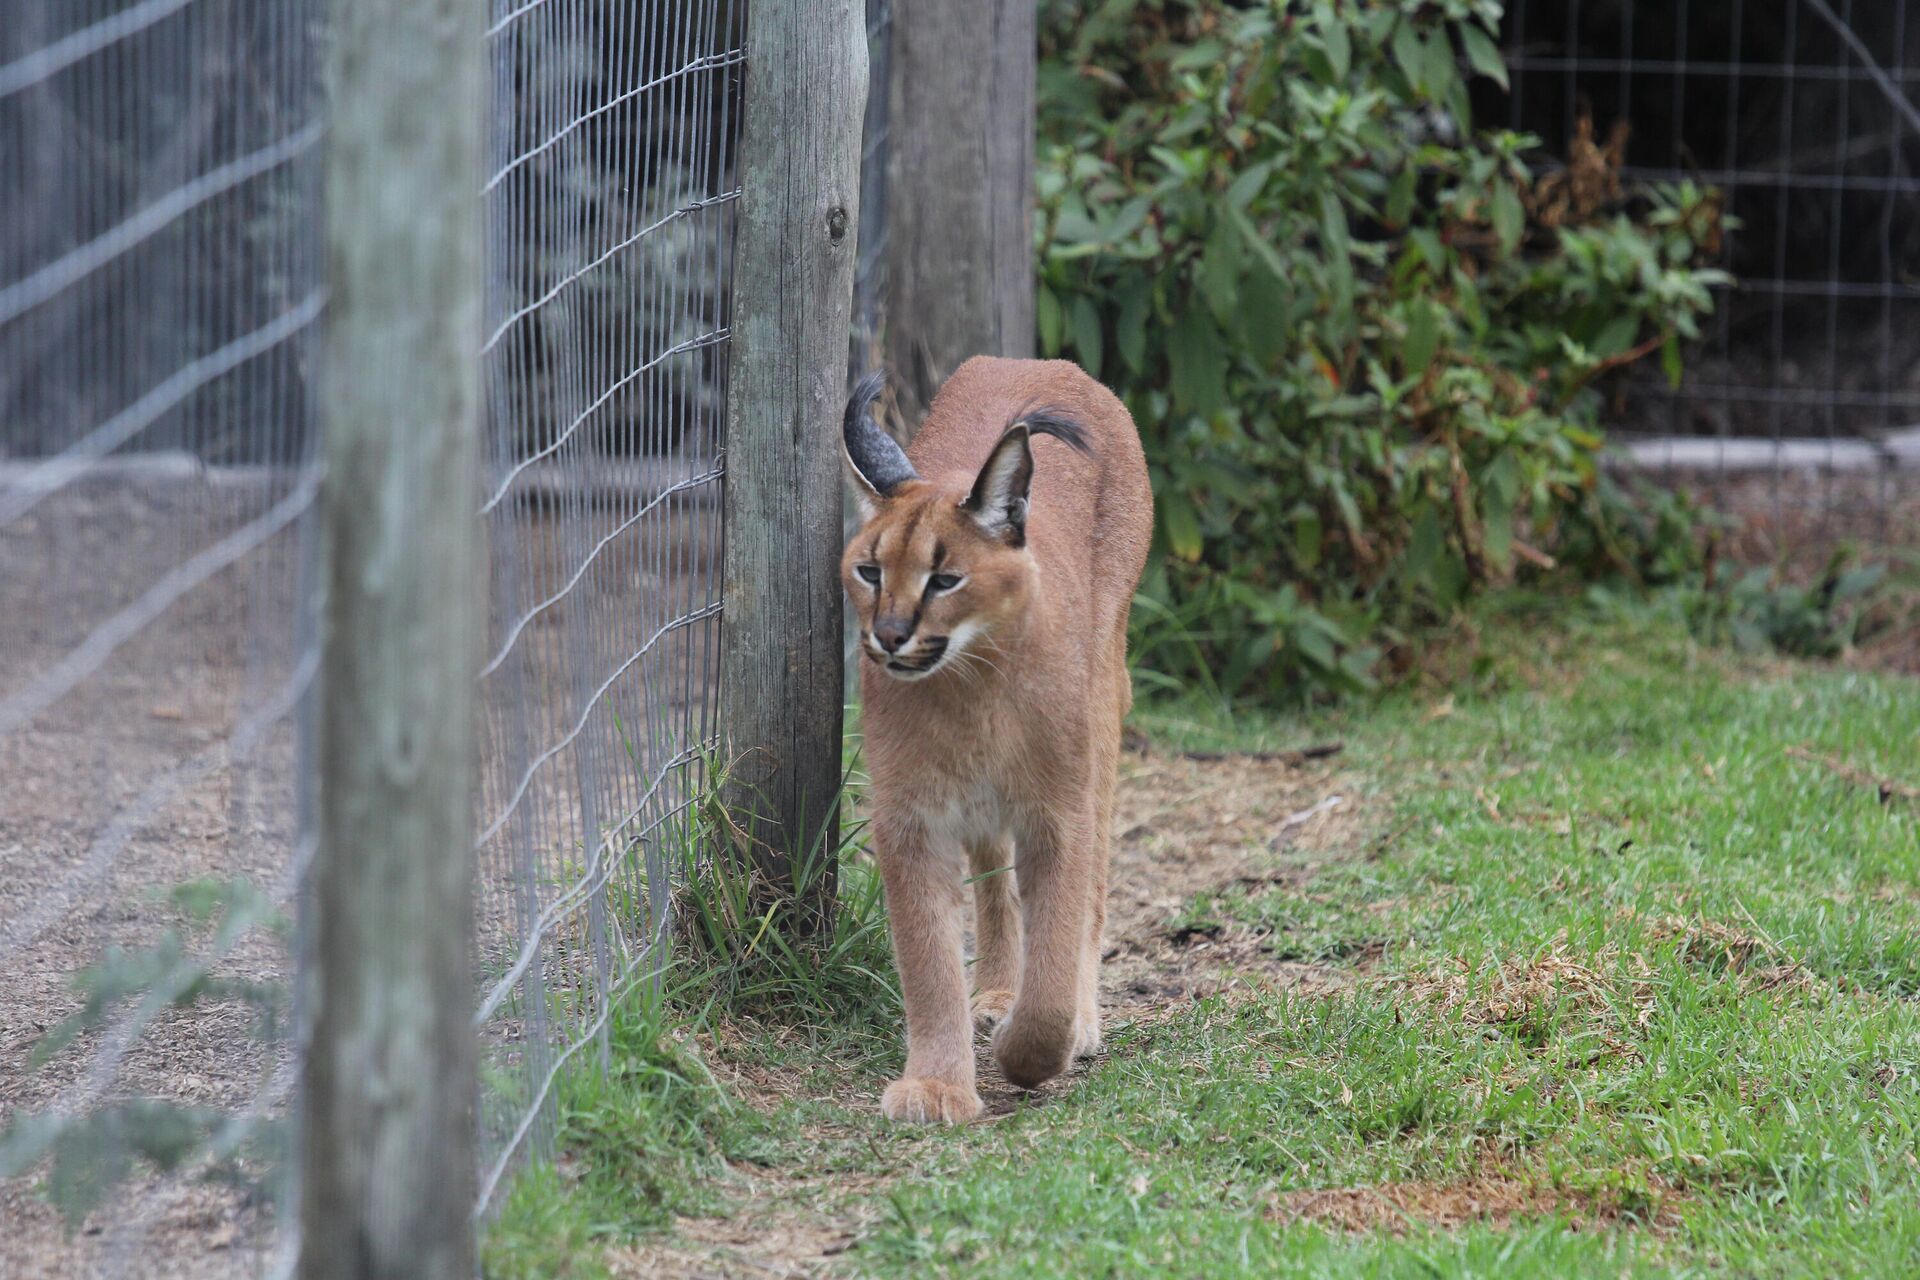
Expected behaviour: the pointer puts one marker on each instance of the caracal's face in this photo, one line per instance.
(929, 586)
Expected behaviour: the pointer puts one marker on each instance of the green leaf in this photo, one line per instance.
(1439, 77)
(1400, 196)
(1616, 336)
(1307, 538)
(1086, 334)
(1314, 645)
(1263, 317)
(1670, 361)
(1508, 215)
(1432, 249)
(1502, 478)
(1500, 486)
(1333, 37)
(1426, 545)
(1423, 336)
(1243, 189)
(1857, 582)
(1199, 364)
(1220, 271)
(1046, 318)
(1130, 330)
(1408, 53)
(1182, 525)
(1483, 54)
(1250, 234)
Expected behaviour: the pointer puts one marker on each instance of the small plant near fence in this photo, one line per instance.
(1363, 337)
(91, 1153)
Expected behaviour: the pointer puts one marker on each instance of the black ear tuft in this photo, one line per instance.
(1055, 423)
(878, 462)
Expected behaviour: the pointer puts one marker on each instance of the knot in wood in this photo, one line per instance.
(837, 224)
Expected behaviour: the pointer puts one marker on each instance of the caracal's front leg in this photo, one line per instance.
(1037, 1040)
(923, 886)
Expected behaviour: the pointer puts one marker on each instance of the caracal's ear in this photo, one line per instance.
(876, 463)
(998, 503)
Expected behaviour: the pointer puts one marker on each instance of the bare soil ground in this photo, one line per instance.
(1184, 825)
(144, 735)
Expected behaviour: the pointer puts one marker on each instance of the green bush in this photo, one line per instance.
(1360, 337)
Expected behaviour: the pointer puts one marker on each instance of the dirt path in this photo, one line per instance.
(1183, 826)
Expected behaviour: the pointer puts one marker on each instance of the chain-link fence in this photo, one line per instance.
(1800, 411)
(161, 301)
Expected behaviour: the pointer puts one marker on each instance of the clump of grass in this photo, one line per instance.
(747, 947)
(637, 1144)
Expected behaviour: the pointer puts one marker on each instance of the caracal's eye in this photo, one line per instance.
(869, 573)
(943, 581)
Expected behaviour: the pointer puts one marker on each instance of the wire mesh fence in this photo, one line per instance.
(610, 212)
(1799, 410)
(159, 297)
(161, 301)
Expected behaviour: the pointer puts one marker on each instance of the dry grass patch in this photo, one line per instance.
(1530, 993)
(1758, 962)
(1493, 1198)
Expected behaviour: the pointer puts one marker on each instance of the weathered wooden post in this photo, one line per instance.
(780, 671)
(959, 220)
(387, 1164)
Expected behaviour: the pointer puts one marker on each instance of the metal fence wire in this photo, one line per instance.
(610, 216)
(161, 299)
(1800, 412)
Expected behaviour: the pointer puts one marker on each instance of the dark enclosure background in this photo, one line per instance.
(1817, 154)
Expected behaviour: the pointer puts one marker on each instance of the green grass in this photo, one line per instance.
(1611, 947)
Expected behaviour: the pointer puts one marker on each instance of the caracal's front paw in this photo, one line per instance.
(1033, 1048)
(1086, 1036)
(990, 1009)
(925, 1100)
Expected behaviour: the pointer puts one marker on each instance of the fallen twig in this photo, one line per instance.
(1294, 821)
(1886, 788)
(1298, 756)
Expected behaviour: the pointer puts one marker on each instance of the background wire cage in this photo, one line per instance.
(1799, 408)
(161, 297)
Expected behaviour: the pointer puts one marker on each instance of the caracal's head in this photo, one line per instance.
(937, 572)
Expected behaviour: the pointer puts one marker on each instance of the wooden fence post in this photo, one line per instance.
(959, 266)
(780, 673)
(387, 1161)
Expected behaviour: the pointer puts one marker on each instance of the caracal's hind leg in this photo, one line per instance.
(996, 930)
(1036, 1041)
(1106, 764)
(1086, 1034)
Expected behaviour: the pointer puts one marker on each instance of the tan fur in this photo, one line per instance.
(1007, 751)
